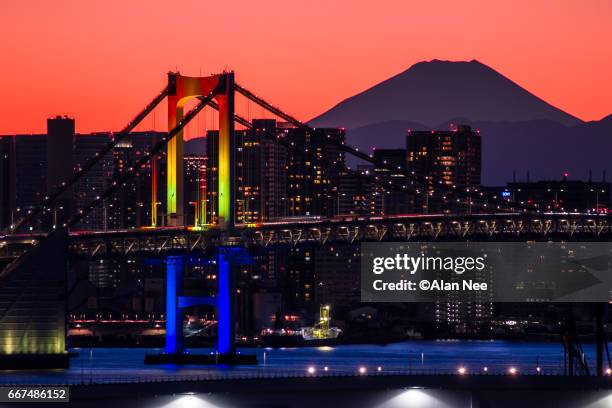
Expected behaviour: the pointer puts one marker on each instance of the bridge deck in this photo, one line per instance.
(315, 230)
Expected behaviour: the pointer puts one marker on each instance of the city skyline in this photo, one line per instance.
(93, 56)
(307, 203)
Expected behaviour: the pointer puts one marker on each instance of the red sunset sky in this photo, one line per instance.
(102, 61)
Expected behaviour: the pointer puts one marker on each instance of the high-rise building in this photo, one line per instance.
(7, 180)
(273, 181)
(130, 207)
(248, 176)
(30, 173)
(450, 157)
(93, 181)
(260, 173)
(337, 274)
(314, 164)
(273, 174)
(60, 143)
(394, 195)
(357, 194)
(298, 279)
(195, 189)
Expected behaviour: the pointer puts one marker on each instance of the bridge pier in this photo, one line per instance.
(225, 306)
(174, 317)
(175, 302)
(223, 302)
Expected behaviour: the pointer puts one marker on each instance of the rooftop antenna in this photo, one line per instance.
(514, 176)
(590, 176)
(528, 176)
(604, 176)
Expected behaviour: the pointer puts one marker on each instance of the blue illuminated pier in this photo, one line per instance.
(225, 307)
(174, 319)
(223, 302)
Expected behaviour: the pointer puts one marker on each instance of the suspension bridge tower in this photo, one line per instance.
(182, 88)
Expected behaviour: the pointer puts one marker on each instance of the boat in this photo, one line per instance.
(321, 334)
(281, 338)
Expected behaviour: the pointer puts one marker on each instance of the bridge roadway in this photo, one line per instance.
(348, 229)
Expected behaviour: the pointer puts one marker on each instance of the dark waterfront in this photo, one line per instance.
(104, 365)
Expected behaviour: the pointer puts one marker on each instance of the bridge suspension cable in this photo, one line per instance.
(135, 167)
(494, 202)
(115, 140)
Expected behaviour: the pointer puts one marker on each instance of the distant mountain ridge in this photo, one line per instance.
(435, 91)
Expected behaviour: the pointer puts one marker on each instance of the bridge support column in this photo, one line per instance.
(224, 303)
(226, 188)
(225, 306)
(174, 318)
(175, 302)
